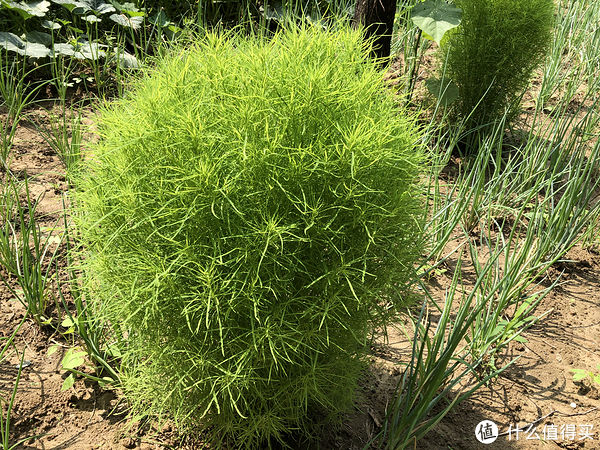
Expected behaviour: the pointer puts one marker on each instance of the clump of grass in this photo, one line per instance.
(25, 252)
(64, 134)
(493, 53)
(252, 212)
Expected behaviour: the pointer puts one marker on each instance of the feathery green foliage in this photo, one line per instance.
(253, 211)
(493, 53)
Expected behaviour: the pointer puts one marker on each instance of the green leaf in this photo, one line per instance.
(64, 49)
(129, 22)
(174, 29)
(69, 4)
(127, 6)
(436, 17)
(579, 374)
(68, 323)
(521, 339)
(97, 6)
(113, 350)
(80, 50)
(39, 37)
(50, 25)
(126, 60)
(37, 8)
(72, 359)
(135, 13)
(45, 320)
(68, 383)
(52, 349)
(428, 36)
(596, 378)
(444, 90)
(106, 381)
(75, 30)
(14, 43)
(92, 19)
(160, 19)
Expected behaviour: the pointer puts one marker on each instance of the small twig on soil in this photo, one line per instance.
(374, 418)
(551, 413)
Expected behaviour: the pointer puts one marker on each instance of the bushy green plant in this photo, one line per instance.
(493, 53)
(251, 213)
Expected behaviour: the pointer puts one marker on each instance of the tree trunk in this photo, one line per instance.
(377, 17)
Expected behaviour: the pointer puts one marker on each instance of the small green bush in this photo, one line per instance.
(493, 53)
(251, 213)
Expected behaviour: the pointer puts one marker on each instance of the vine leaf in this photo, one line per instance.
(37, 8)
(129, 22)
(436, 17)
(73, 358)
(13, 43)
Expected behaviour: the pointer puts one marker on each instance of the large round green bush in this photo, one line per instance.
(493, 53)
(250, 214)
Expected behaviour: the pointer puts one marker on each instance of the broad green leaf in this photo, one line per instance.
(80, 50)
(50, 25)
(13, 43)
(444, 90)
(52, 349)
(127, 6)
(174, 29)
(274, 10)
(73, 358)
(428, 37)
(126, 60)
(70, 4)
(64, 49)
(160, 20)
(124, 21)
(92, 19)
(84, 6)
(89, 50)
(135, 13)
(37, 8)
(68, 383)
(105, 381)
(45, 320)
(579, 374)
(436, 17)
(98, 6)
(39, 37)
(67, 322)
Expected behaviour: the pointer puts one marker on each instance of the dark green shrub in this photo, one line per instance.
(493, 53)
(251, 213)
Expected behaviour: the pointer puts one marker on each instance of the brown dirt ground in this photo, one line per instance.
(538, 385)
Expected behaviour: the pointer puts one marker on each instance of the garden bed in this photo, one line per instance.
(537, 389)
